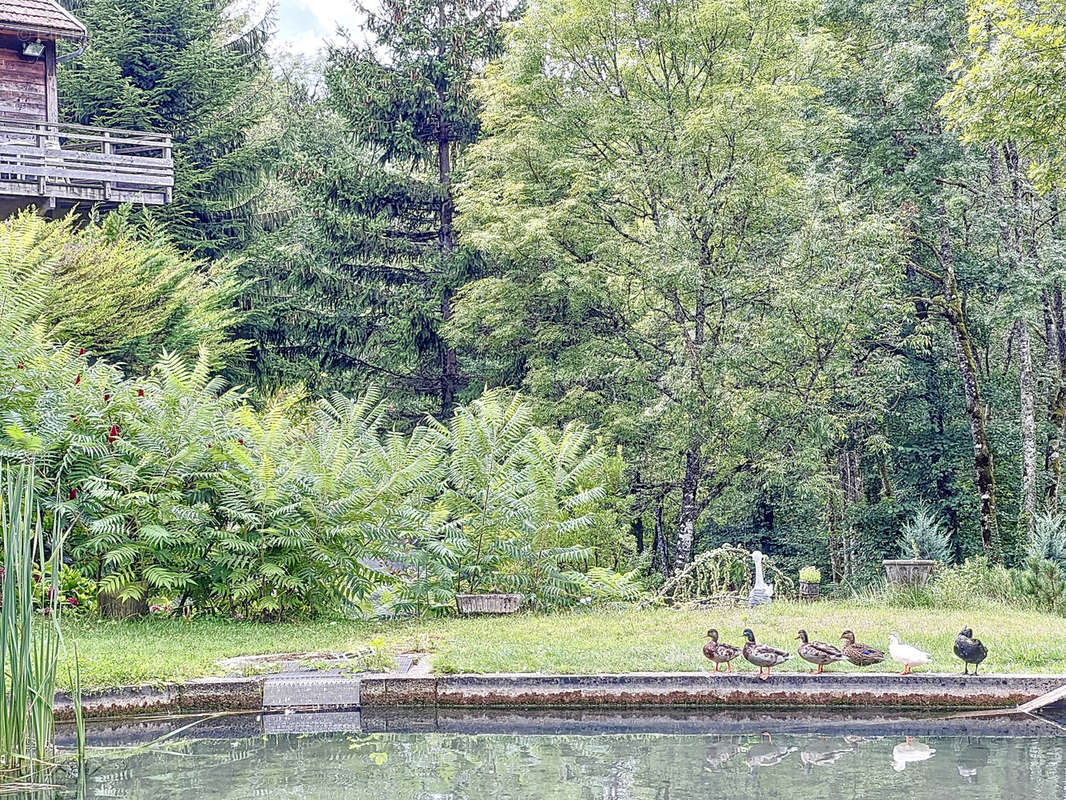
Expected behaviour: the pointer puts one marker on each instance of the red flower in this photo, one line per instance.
(77, 380)
(112, 435)
(73, 494)
(72, 601)
(107, 398)
(81, 351)
(140, 392)
(21, 365)
(240, 442)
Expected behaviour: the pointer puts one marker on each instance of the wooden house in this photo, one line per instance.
(51, 164)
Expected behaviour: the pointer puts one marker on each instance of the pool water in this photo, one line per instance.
(593, 764)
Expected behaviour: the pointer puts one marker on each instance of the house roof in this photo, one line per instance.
(40, 17)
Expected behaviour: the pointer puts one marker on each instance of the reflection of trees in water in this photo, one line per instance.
(628, 767)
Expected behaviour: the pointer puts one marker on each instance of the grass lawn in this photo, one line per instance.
(159, 650)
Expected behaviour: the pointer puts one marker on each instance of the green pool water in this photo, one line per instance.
(590, 765)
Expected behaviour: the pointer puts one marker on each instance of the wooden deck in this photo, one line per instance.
(59, 164)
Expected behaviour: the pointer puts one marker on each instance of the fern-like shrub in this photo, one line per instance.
(180, 488)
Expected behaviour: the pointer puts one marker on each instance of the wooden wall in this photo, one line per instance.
(24, 84)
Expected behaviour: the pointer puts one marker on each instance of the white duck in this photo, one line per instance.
(906, 655)
(908, 752)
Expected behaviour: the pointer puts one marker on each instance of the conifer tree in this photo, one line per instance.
(198, 70)
(379, 262)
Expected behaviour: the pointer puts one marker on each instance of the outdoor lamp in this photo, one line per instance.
(33, 49)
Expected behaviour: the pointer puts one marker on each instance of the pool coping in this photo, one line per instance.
(920, 691)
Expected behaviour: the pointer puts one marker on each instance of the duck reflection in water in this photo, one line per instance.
(971, 759)
(767, 753)
(909, 752)
(720, 752)
(823, 752)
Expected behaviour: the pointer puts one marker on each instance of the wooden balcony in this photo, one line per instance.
(52, 165)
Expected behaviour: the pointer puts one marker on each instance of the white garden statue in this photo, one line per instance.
(761, 592)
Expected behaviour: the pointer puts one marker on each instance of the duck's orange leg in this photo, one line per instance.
(729, 666)
(819, 670)
(716, 665)
(767, 675)
(906, 669)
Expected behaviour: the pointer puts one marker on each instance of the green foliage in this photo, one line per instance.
(925, 537)
(179, 487)
(196, 70)
(1009, 82)
(720, 575)
(810, 575)
(1043, 583)
(637, 287)
(114, 289)
(29, 651)
(976, 578)
(793, 265)
(1048, 542)
(75, 593)
(359, 286)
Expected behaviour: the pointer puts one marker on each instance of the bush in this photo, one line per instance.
(924, 537)
(810, 575)
(1043, 583)
(1049, 538)
(76, 594)
(974, 581)
(180, 488)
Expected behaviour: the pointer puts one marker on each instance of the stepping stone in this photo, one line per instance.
(311, 691)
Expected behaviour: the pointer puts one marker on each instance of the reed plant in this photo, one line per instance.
(29, 642)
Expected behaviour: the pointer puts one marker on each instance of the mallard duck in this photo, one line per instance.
(970, 650)
(908, 752)
(906, 654)
(763, 655)
(719, 652)
(818, 653)
(861, 655)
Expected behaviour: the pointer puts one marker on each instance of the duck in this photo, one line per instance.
(908, 752)
(719, 652)
(818, 653)
(763, 655)
(861, 655)
(970, 650)
(906, 654)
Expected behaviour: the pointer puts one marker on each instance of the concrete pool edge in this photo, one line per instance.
(923, 691)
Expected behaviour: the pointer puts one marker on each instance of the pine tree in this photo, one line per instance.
(371, 278)
(197, 70)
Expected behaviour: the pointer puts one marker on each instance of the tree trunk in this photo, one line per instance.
(833, 520)
(660, 550)
(854, 493)
(686, 529)
(1019, 247)
(976, 407)
(449, 366)
(1028, 404)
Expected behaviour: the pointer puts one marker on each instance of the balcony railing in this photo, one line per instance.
(65, 164)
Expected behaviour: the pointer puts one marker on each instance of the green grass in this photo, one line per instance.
(159, 650)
